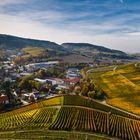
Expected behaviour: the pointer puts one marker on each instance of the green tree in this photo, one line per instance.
(77, 90)
(35, 84)
(91, 94)
(7, 87)
(41, 73)
(25, 83)
(84, 90)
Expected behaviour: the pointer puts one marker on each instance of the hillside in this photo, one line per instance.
(95, 51)
(121, 84)
(84, 51)
(87, 46)
(70, 113)
(13, 42)
(76, 58)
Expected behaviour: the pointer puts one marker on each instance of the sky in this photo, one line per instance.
(111, 23)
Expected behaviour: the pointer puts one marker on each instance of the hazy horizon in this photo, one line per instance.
(110, 23)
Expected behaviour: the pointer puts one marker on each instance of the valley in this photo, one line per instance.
(67, 91)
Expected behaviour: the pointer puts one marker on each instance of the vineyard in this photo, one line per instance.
(38, 118)
(83, 119)
(45, 103)
(72, 113)
(83, 101)
(121, 84)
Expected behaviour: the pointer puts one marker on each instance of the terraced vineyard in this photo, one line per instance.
(124, 128)
(121, 84)
(72, 113)
(82, 119)
(15, 121)
(45, 103)
(83, 101)
(41, 119)
(37, 118)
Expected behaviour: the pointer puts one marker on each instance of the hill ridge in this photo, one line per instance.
(6, 39)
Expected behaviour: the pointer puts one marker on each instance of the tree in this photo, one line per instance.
(19, 60)
(41, 73)
(91, 94)
(7, 87)
(91, 86)
(100, 94)
(84, 90)
(77, 90)
(25, 83)
(54, 72)
(71, 88)
(62, 91)
(35, 84)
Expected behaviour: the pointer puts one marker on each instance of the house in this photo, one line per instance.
(25, 74)
(59, 81)
(41, 65)
(24, 96)
(71, 81)
(73, 70)
(4, 99)
(53, 81)
(32, 97)
(15, 76)
(59, 87)
(43, 81)
(73, 73)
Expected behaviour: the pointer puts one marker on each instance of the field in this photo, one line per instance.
(45, 103)
(76, 58)
(70, 113)
(121, 84)
(33, 51)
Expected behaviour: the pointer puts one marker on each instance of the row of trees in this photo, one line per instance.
(89, 89)
(7, 87)
(50, 72)
(28, 83)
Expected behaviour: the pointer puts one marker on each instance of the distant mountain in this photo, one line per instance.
(86, 51)
(13, 42)
(91, 47)
(93, 51)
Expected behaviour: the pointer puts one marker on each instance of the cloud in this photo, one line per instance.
(115, 26)
(134, 34)
(7, 2)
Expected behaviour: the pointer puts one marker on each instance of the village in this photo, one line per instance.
(40, 86)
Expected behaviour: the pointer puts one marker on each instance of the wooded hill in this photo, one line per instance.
(90, 51)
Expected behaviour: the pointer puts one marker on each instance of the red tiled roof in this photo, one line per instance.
(72, 80)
